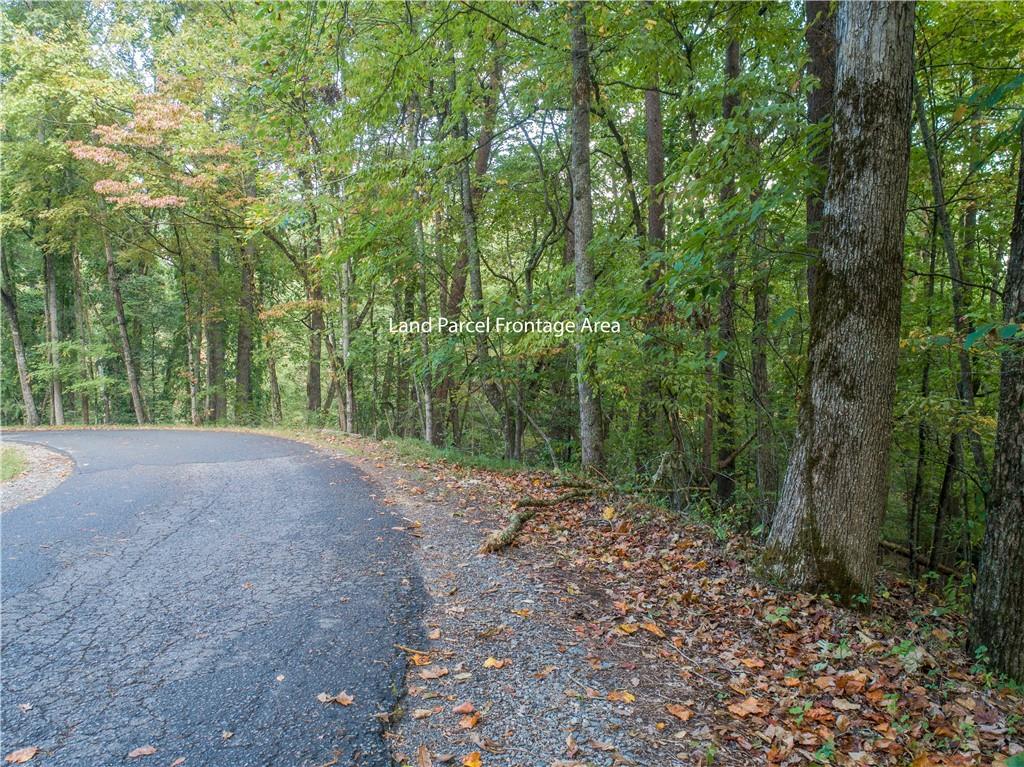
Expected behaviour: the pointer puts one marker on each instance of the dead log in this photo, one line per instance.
(500, 539)
(903, 551)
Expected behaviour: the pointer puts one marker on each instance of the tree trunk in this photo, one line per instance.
(10, 303)
(315, 295)
(583, 231)
(965, 387)
(216, 402)
(122, 329)
(766, 465)
(53, 337)
(725, 483)
(914, 514)
(833, 498)
(82, 329)
(821, 49)
(275, 388)
(998, 621)
(246, 318)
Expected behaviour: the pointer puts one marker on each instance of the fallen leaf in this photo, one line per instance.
(621, 696)
(545, 672)
(423, 757)
(178, 762)
(495, 663)
(135, 753)
(422, 713)
(435, 634)
(608, 513)
(469, 722)
(433, 673)
(22, 755)
(472, 759)
(25, 707)
(420, 660)
(227, 734)
(652, 627)
(280, 677)
(746, 707)
(628, 628)
(464, 708)
(752, 662)
(679, 711)
(344, 699)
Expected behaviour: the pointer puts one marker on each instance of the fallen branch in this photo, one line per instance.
(499, 539)
(895, 548)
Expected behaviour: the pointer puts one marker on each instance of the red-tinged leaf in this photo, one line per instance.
(423, 757)
(469, 721)
(141, 751)
(472, 759)
(464, 708)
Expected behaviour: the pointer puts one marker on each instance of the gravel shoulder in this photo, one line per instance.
(46, 469)
(512, 672)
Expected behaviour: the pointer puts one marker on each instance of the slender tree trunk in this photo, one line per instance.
(82, 329)
(10, 303)
(246, 319)
(346, 346)
(216, 403)
(821, 49)
(965, 387)
(315, 295)
(833, 498)
(725, 483)
(766, 464)
(583, 231)
(914, 513)
(53, 337)
(122, 329)
(275, 388)
(998, 623)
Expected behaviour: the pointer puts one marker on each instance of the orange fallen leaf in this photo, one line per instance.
(22, 755)
(628, 628)
(464, 708)
(652, 627)
(679, 711)
(344, 699)
(494, 663)
(470, 721)
(621, 696)
(420, 660)
(746, 707)
(472, 760)
(135, 753)
(752, 662)
(423, 757)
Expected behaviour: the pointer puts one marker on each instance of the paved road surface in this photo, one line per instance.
(181, 585)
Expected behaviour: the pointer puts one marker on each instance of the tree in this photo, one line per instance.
(591, 453)
(826, 529)
(998, 624)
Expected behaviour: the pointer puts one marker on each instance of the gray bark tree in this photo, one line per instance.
(821, 49)
(998, 623)
(591, 447)
(10, 303)
(827, 524)
(122, 329)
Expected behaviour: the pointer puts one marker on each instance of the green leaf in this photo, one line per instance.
(977, 335)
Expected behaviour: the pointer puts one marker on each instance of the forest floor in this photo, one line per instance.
(615, 633)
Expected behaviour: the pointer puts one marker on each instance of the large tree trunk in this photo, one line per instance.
(122, 329)
(832, 502)
(583, 231)
(53, 337)
(999, 595)
(246, 319)
(725, 483)
(10, 303)
(821, 64)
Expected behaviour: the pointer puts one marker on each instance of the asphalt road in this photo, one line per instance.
(183, 585)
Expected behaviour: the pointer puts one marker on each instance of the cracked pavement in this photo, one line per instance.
(181, 585)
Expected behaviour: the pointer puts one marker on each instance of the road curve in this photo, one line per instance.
(194, 591)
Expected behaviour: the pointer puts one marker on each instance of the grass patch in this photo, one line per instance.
(12, 463)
